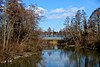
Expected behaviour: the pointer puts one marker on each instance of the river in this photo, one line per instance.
(69, 57)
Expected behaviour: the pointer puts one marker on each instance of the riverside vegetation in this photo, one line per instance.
(18, 29)
(83, 32)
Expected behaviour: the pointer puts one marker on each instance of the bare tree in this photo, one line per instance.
(18, 26)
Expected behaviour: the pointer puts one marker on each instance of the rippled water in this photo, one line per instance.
(60, 58)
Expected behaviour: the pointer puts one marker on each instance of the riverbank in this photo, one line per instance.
(64, 46)
(23, 55)
(9, 57)
(59, 57)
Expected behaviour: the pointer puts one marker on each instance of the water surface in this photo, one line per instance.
(60, 58)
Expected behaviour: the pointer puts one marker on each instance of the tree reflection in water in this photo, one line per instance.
(84, 58)
(71, 57)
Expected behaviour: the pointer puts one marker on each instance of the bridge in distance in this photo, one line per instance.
(52, 39)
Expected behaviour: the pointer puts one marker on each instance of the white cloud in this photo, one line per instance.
(54, 16)
(60, 13)
(41, 11)
(19, 2)
(58, 10)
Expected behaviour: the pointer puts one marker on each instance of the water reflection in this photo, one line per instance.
(70, 58)
(60, 58)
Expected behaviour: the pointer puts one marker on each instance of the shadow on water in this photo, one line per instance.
(53, 57)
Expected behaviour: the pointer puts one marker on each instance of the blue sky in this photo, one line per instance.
(55, 11)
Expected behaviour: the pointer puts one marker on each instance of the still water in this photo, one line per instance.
(70, 57)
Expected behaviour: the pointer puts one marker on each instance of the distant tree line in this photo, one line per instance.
(84, 32)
